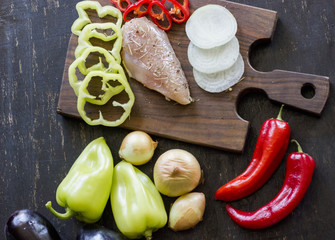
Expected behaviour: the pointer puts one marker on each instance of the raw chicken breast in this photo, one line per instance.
(150, 59)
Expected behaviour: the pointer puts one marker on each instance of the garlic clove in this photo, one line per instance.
(187, 211)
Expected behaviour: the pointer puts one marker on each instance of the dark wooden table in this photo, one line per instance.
(38, 146)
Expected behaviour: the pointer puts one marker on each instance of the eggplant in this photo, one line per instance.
(94, 231)
(27, 224)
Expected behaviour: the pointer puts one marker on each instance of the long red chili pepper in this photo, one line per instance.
(270, 149)
(299, 171)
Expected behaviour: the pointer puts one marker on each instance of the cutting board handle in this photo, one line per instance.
(288, 88)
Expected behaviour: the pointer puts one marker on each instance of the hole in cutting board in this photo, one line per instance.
(308, 90)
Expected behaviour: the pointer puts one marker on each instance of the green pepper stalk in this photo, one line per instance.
(85, 190)
(137, 206)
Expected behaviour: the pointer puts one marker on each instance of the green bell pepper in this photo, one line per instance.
(79, 63)
(84, 96)
(85, 190)
(137, 205)
(99, 31)
(102, 11)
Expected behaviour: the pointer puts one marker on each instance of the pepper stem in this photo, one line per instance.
(280, 112)
(299, 147)
(68, 214)
(148, 234)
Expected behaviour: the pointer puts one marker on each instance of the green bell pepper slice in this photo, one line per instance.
(79, 63)
(84, 96)
(102, 12)
(90, 31)
(85, 190)
(137, 205)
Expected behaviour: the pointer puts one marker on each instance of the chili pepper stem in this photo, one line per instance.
(148, 234)
(299, 147)
(64, 216)
(280, 112)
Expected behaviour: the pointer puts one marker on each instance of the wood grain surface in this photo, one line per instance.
(38, 146)
(212, 119)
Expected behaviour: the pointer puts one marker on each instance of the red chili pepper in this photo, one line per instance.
(159, 18)
(299, 171)
(139, 8)
(270, 149)
(179, 13)
(120, 4)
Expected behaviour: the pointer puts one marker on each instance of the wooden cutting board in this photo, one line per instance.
(211, 120)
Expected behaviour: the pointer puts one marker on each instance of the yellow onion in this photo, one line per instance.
(176, 172)
(187, 211)
(137, 148)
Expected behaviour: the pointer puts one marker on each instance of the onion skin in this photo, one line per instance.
(187, 211)
(137, 148)
(176, 172)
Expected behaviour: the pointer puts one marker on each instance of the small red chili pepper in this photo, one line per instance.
(120, 4)
(139, 8)
(299, 172)
(159, 18)
(186, 4)
(270, 149)
(179, 13)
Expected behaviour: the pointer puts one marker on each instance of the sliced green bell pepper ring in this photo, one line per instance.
(109, 91)
(85, 190)
(102, 12)
(90, 31)
(137, 205)
(84, 96)
(113, 66)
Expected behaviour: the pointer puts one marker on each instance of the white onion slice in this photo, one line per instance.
(220, 81)
(211, 26)
(215, 59)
